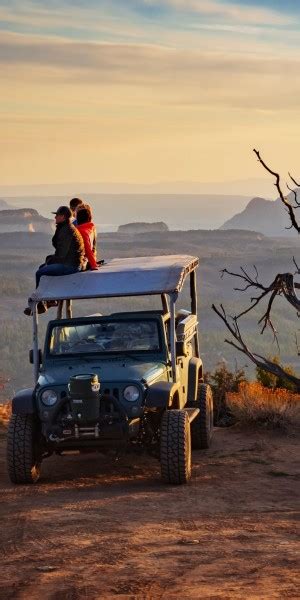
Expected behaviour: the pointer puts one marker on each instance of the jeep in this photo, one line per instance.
(127, 380)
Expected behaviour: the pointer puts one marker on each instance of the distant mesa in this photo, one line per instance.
(24, 219)
(265, 216)
(4, 205)
(143, 227)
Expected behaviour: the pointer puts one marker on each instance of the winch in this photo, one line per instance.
(84, 398)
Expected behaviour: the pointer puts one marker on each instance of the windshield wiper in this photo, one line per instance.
(122, 355)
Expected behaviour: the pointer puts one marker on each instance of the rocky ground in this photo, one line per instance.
(96, 528)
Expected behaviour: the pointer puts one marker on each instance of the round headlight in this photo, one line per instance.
(131, 393)
(49, 397)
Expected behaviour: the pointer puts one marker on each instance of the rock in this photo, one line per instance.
(141, 227)
(24, 219)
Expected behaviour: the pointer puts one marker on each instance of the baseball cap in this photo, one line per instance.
(63, 210)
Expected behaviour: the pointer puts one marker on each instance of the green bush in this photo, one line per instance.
(222, 380)
(271, 381)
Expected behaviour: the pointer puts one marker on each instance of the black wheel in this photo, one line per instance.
(23, 455)
(202, 425)
(175, 447)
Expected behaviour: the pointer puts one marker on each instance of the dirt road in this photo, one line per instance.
(93, 528)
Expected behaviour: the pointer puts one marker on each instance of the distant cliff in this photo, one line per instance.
(24, 219)
(265, 216)
(143, 227)
(4, 205)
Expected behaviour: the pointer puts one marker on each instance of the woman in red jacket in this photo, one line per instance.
(87, 229)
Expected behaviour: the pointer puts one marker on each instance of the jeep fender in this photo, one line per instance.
(162, 394)
(195, 375)
(23, 402)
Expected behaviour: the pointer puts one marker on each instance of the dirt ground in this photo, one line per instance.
(96, 528)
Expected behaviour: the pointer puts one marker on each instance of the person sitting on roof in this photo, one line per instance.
(87, 229)
(75, 203)
(69, 253)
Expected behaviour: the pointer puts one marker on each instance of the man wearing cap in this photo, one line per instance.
(69, 248)
(69, 256)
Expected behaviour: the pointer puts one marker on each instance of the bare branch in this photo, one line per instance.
(281, 195)
(283, 284)
(297, 344)
(257, 359)
(294, 180)
(295, 196)
(298, 270)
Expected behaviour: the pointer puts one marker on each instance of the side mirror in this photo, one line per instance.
(40, 357)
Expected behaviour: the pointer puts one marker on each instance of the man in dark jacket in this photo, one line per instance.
(69, 256)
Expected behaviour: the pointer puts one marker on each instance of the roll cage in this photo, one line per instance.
(162, 276)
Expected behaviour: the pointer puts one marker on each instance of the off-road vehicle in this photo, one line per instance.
(118, 381)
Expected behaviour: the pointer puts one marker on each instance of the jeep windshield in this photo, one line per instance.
(109, 337)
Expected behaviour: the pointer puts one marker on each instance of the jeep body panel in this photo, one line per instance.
(24, 402)
(163, 394)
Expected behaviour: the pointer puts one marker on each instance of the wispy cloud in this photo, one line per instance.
(126, 19)
(195, 77)
(144, 88)
(227, 10)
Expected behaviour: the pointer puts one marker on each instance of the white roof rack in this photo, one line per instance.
(137, 276)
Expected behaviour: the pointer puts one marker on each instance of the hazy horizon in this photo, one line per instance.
(243, 187)
(182, 212)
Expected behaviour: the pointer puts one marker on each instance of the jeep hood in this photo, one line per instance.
(116, 370)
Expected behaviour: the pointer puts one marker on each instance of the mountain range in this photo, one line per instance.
(177, 211)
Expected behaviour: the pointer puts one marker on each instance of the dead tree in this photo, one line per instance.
(283, 285)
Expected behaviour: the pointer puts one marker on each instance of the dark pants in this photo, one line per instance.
(54, 270)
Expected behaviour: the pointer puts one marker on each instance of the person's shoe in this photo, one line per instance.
(41, 307)
(51, 303)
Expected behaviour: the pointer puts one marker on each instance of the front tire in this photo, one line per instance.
(202, 425)
(23, 455)
(175, 447)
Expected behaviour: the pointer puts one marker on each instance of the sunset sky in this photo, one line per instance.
(148, 90)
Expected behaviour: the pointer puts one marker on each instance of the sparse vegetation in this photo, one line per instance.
(254, 404)
(5, 412)
(222, 381)
(5, 408)
(272, 381)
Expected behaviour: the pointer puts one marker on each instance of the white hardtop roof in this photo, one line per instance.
(137, 276)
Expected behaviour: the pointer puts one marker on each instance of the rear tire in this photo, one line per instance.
(175, 447)
(23, 454)
(202, 425)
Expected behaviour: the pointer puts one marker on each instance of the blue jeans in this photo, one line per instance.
(54, 270)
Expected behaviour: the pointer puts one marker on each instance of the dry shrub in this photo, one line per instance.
(256, 404)
(5, 412)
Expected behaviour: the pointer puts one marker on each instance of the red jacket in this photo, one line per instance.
(89, 235)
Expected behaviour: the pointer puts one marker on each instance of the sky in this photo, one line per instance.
(148, 90)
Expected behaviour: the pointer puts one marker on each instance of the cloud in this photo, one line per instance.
(227, 10)
(152, 74)
(74, 22)
(127, 20)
